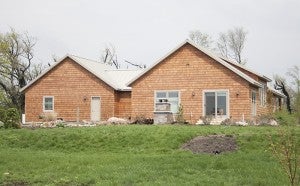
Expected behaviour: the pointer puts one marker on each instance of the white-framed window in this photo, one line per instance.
(216, 103)
(48, 103)
(170, 96)
(263, 95)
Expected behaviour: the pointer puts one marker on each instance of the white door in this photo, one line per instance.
(95, 109)
(253, 103)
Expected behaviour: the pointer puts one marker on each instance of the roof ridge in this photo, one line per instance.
(92, 60)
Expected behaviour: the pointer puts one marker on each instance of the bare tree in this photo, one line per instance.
(294, 73)
(54, 59)
(16, 59)
(109, 56)
(232, 43)
(141, 66)
(280, 84)
(222, 45)
(290, 90)
(201, 39)
(35, 70)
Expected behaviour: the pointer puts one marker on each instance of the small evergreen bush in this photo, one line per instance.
(179, 118)
(12, 118)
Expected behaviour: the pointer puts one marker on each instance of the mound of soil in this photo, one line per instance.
(212, 144)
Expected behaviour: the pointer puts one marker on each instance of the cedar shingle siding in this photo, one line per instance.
(191, 71)
(69, 84)
(187, 70)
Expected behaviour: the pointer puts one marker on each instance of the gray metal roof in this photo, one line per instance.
(121, 77)
(117, 79)
(210, 54)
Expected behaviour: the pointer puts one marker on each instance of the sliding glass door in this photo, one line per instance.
(216, 103)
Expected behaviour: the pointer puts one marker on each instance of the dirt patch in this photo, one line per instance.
(212, 144)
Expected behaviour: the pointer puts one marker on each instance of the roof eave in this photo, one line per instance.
(280, 95)
(277, 93)
(266, 78)
(251, 71)
(125, 89)
(257, 84)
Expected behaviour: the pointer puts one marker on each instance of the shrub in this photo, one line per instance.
(48, 116)
(179, 118)
(228, 121)
(266, 119)
(2, 115)
(143, 120)
(12, 118)
(284, 118)
(60, 125)
(285, 149)
(297, 108)
(206, 119)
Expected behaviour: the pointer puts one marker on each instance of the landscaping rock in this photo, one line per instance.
(115, 120)
(241, 123)
(273, 122)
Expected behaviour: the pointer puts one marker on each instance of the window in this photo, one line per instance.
(216, 103)
(171, 97)
(48, 103)
(262, 94)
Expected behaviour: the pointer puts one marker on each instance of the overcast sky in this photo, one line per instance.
(144, 31)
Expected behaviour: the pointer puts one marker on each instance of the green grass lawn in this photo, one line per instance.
(135, 155)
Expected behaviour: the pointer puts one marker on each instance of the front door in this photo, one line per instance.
(95, 109)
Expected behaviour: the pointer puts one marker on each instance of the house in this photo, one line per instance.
(203, 83)
(77, 89)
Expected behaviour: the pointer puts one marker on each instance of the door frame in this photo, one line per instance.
(99, 107)
(253, 105)
(215, 91)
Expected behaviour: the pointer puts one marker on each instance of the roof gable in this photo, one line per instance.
(116, 79)
(208, 53)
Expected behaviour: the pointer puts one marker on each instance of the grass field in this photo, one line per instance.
(135, 155)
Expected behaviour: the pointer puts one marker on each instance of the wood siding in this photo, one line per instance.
(191, 71)
(72, 88)
(123, 104)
